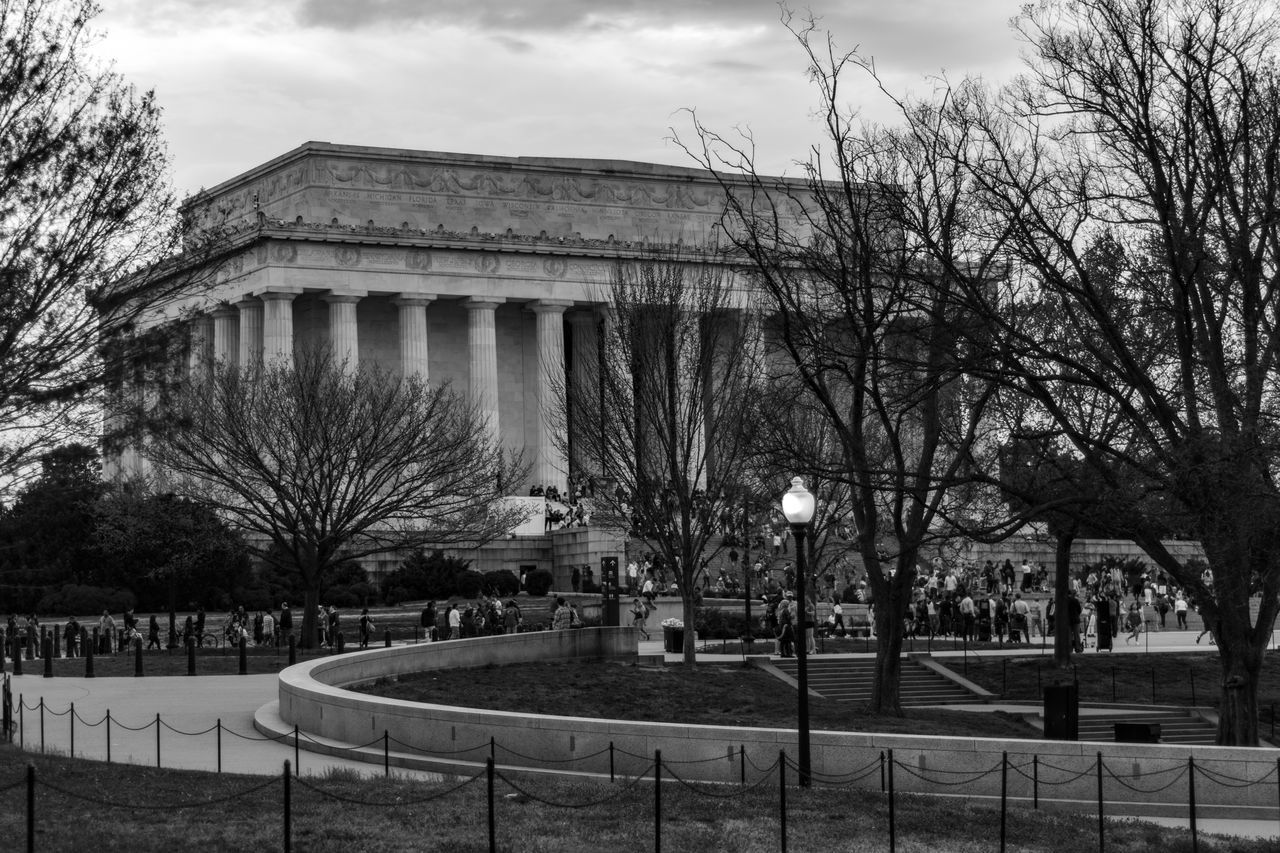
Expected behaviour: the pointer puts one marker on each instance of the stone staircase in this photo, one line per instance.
(1176, 725)
(850, 680)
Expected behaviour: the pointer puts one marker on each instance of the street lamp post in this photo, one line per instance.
(798, 507)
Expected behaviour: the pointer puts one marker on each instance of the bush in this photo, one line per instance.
(538, 582)
(423, 576)
(468, 584)
(502, 583)
(81, 600)
(713, 623)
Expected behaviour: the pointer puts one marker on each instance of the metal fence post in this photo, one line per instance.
(782, 798)
(493, 843)
(657, 801)
(108, 735)
(42, 725)
(386, 754)
(31, 808)
(288, 816)
(1191, 802)
(71, 721)
(1004, 796)
(1035, 782)
(297, 750)
(157, 739)
(893, 829)
(1101, 831)
(219, 730)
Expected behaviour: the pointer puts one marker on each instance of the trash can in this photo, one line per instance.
(1061, 712)
(673, 640)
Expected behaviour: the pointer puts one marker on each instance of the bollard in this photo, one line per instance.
(42, 725)
(108, 720)
(386, 754)
(137, 659)
(157, 740)
(386, 636)
(293, 650)
(88, 660)
(219, 729)
(341, 643)
(244, 660)
(191, 655)
(47, 650)
(71, 719)
(57, 646)
(97, 640)
(17, 657)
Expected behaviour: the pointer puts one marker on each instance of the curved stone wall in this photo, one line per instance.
(456, 739)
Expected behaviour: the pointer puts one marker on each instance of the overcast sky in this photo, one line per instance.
(242, 81)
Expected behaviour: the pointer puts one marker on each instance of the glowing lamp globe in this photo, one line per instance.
(797, 503)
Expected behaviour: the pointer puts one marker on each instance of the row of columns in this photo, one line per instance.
(257, 329)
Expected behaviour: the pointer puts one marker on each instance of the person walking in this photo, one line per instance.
(639, 613)
(153, 633)
(366, 628)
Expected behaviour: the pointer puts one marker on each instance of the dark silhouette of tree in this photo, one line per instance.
(84, 205)
(873, 329)
(327, 464)
(1160, 121)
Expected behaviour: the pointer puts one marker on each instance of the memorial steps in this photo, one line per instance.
(851, 680)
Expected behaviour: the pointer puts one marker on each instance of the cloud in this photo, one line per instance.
(525, 17)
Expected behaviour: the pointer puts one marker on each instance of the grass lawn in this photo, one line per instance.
(711, 694)
(144, 810)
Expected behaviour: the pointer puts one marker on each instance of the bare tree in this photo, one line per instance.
(329, 464)
(84, 204)
(876, 332)
(664, 413)
(1158, 120)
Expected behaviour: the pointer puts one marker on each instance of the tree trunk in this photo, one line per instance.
(310, 604)
(1061, 595)
(1238, 709)
(687, 616)
(885, 690)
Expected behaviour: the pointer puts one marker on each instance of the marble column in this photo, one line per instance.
(583, 386)
(413, 333)
(482, 346)
(200, 350)
(250, 331)
(549, 468)
(344, 340)
(226, 335)
(277, 326)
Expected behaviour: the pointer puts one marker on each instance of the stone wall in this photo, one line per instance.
(455, 739)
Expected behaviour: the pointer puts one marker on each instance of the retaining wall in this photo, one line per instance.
(449, 738)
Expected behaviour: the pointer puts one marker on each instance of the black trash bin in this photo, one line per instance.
(673, 640)
(1061, 712)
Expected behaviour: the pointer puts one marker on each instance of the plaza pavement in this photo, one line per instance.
(195, 704)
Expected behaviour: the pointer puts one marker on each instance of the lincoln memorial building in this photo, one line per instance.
(485, 272)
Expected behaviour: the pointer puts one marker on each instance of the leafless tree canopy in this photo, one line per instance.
(84, 204)
(327, 463)
(664, 413)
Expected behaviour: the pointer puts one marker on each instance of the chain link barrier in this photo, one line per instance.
(355, 801)
(498, 774)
